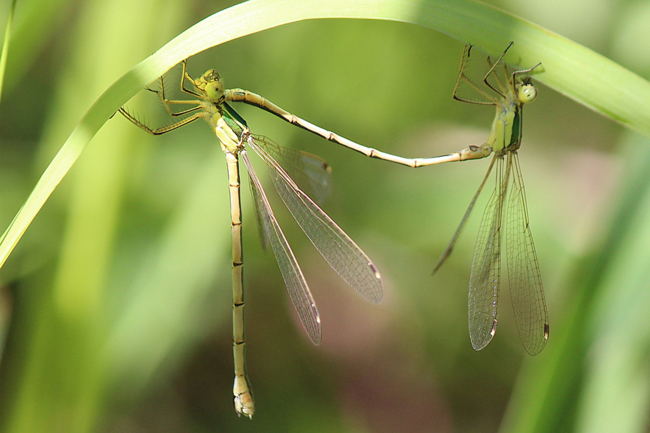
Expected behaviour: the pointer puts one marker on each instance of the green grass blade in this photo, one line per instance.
(5, 45)
(574, 70)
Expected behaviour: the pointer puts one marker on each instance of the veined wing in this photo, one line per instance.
(486, 266)
(311, 173)
(341, 252)
(523, 270)
(259, 214)
(299, 292)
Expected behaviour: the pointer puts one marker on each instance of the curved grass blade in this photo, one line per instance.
(576, 71)
(5, 45)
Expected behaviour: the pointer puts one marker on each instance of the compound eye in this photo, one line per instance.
(527, 93)
(214, 90)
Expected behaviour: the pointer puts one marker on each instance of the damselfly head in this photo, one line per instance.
(211, 84)
(526, 91)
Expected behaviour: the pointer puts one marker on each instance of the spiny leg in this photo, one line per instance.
(162, 130)
(185, 75)
(491, 70)
(523, 71)
(463, 78)
(167, 102)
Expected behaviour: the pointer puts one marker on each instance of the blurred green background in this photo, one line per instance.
(115, 308)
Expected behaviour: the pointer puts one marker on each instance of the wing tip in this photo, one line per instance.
(480, 343)
(315, 335)
(536, 347)
(376, 295)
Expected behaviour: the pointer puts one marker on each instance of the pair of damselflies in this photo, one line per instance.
(301, 179)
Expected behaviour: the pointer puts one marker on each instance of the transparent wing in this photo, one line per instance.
(523, 270)
(261, 226)
(343, 255)
(299, 292)
(486, 266)
(311, 173)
